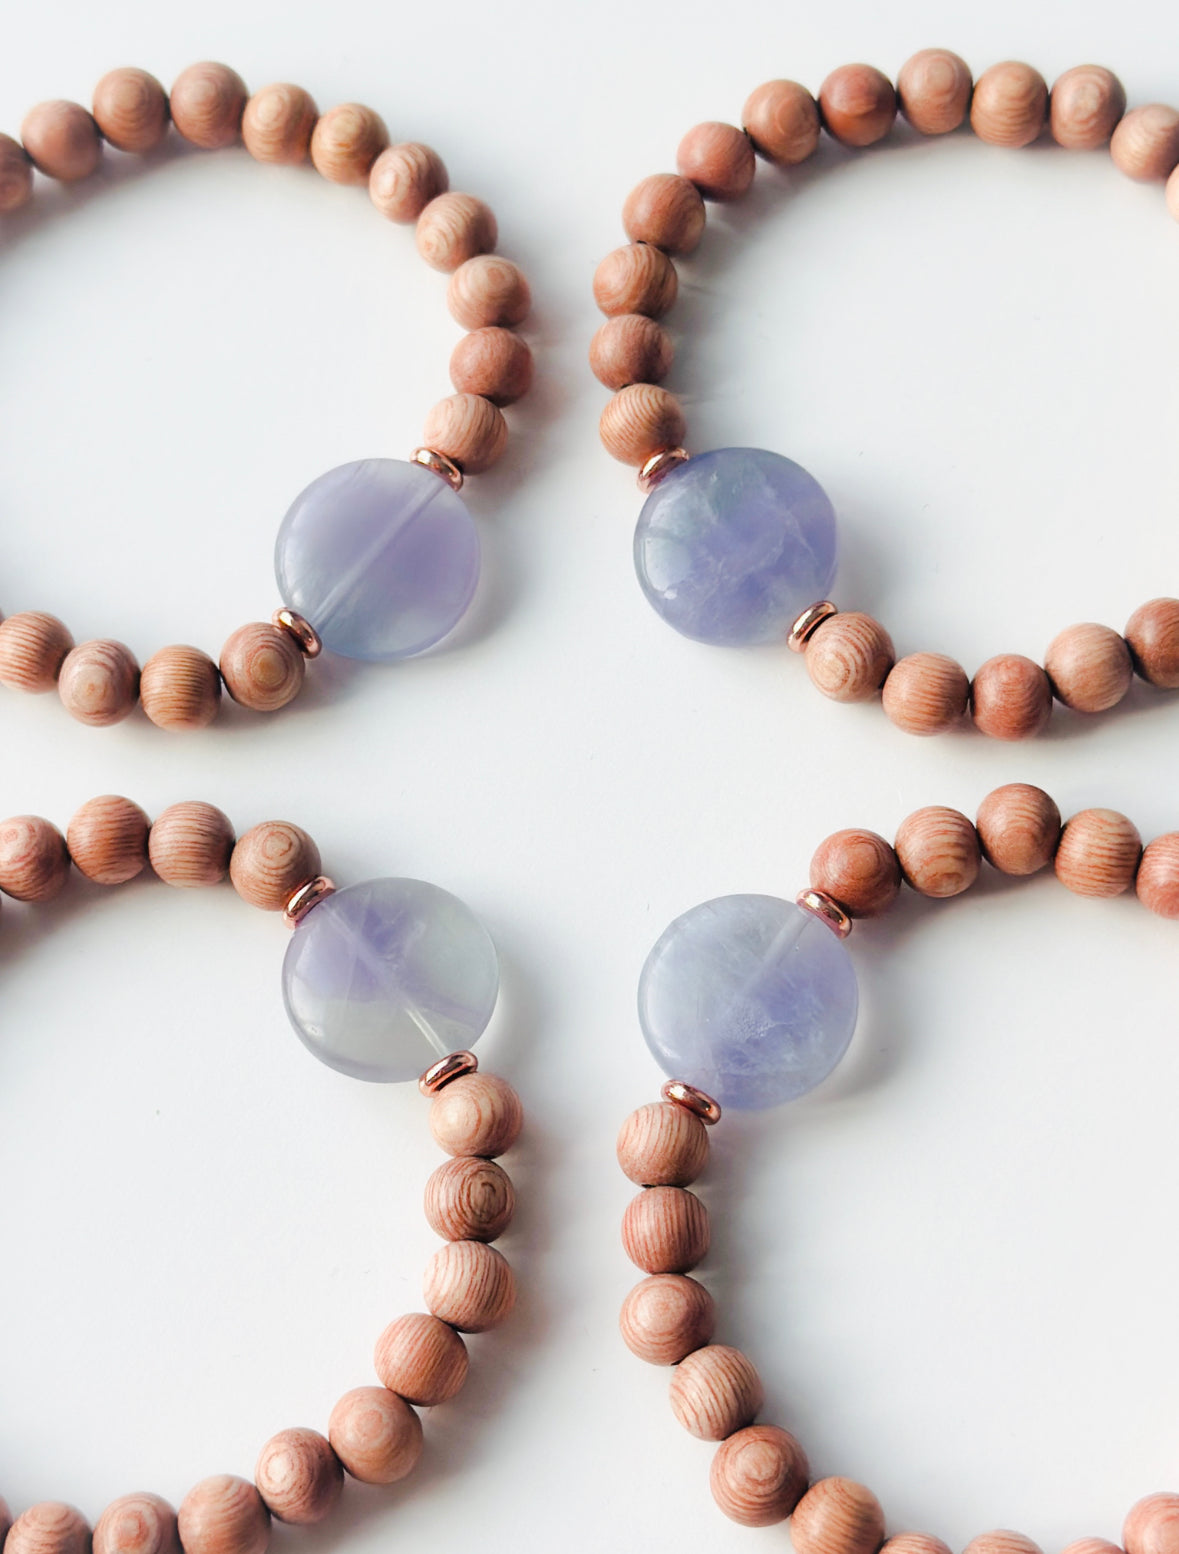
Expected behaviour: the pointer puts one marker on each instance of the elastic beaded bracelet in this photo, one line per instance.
(430, 983)
(377, 559)
(750, 1001)
(737, 546)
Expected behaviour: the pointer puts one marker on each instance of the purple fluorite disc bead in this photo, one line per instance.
(381, 556)
(732, 546)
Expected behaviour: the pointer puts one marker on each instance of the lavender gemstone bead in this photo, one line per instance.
(749, 998)
(381, 556)
(732, 546)
(383, 978)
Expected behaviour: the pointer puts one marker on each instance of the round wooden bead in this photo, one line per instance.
(1085, 107)
(933, 91)
(1010, 697)
(263, 667)
(1152, 635)
(1018, 828)
(1089, 667)
(63, 140)
(16, 175)
(107, 839)
(421, 1359)
(1157, 881)
(915, 1543)
(299, 1476)
(938, 851)
(1009, 105)
(1145, 145)
(207, 102)
(666, 211)
(848, 656)
(190, 844)
(137, 1524)
(636, 279)
(1152, 1526)
(714, 1391)
(494, 363)
(666, 1317)
(49, 1527)
(223, 1515)
(277, 123)
(665, 1230)
(718, 159)
(630, 348)
(270, 862)
(859, 870)
(1002, 1541)
(663, 1145)
(468, 429)
(131, 109)
(469, 1286)
(453, 228)
(33, 647)
(926, 693)
(781, 118)
(469, 1199)
(639, 421)
(858, 105)
(758, 1475)
(488, 290)
(837, 1516)
(180, 688)
(34, 861)
(376, 1435)
(405, 178)
(479, 1114)
(99, 682)
(346, 141)
(1098, 853)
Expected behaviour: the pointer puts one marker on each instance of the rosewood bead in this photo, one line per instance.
(1145, 145)
(422, 1359)
(665, 1230)
(915, 1543)
(470, 1286)
(346, 142)
(1010, 104)
(469, 1199)
(849, 656)
(16, 175)
(180, 688)
(299, 1476)
(137, 1524)
(99, 683)
(714, 1391)
(1152, 1525)
(1152, 635)
(453, 228)
(376, 1435)
(107, 839)
(933, 91)
(758, 1475)
(1010, 697)
(468, 429)
(270, 862)
(488, 290)
(1002, 1541)
(494, 363)
(837, 1516)
(630, 348)
(263, 667)
(636, 279)
(34, 861)
(190, 844)
(666, 211)
(859, 870)
(223, 1515)
(1098, 853)
(1018, 828)
(277, 124)
(404, 179)
(641, 420)
(1089, 667)
(938, 851)
(33, 647)
(781, 118)
(49, 1527)
(63, 140)
(662, 1145)
(131, 109)
(718, 158)
(666, 1317)
(479, 1114)
(926, 693)
(1157, 881)
(1085, 106)
(207, 103)
(858, 105)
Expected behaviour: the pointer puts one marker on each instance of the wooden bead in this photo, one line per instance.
(938, 851)
(859, 870)
(1145, 145)
(34, 861)
(665, 1230)
(1098, 853)
(137, 1524)
(469, 1286)
(16, 175)
(666, 211)
(299, 1476)
(488, 290)
(1152, 635)
(190, 844)
(63, 140)
(479, 1114)
(405, 178)
(270, 862)
(630, 348)
(468, 1199)
(207, 102)
(848, 656)
(99, 682)
(49, 1527)
(1010, 104)
(666, 1317)
(1002, 1541)
(346, 142)
(714, 1391)
(639, 421)
(107, 839)
(277, 123)
(758, 1475)
(915, 1543)
(636, 279)
(1018, 828)
(781, 118)
(662, 1145)
(223, 1515)
(468, 429)
(718, 158)
(494, 363)
(1152, 1525)
(131, 109)
(837, 1516)
(421, 1359)
(926, 693)
(1085, 106)
(376, 1435)
(933, 91)
(1010, 697)
(1157, 881)
(33, 647)
(1089, 667)
(263, 667)
(453, 228)
(180, 688)
(858, 105)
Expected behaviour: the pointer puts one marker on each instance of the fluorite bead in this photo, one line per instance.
(381, 556)
(749, 998)
(732, 545)
(383, 978)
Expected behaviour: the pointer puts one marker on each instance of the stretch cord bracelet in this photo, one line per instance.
(738, 545)
(377, 559)
(750, 1001)
(380, 978)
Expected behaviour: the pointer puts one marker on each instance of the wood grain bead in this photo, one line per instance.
(131, 109)
(636, 279)
(1009, 105)
(859, 870)
(926, 693)
(665, 1230)
(34, 860)
(666, 1317)
(16, 175)
(915, 1543)
(270, 862)
(938, 851)
(848, 656)
(453, 228)
(758, 1475)
(223, 1515)
(488, 290)
(1157, 881)
(1018, 828)
(494, 363)
(1089, 667)
(933, 91)
(421, 1359)
(469, 1199)
(718, 159)
(469, 1286)
(1085, 106)
(49, 1527)
(277, 123)
(1152, 635)
(1002, 1541)
(468, 429)
(1092, 1546)
(33, 647)
(639, 421)
(666, 211)
(137, 1524)
(837, 1516)
(180, 688)
(479, 1114)
(107, 839)
(858, 105)
(299, 1476)
(781, 118)
(405, 178)
(1098, 853)
(190, 844)
(346, 142)
(1010, 697)
(99, 682)
(630, 348)
(1145, 145)
(207, 102)
(63, 140)
(1152, 1525)
(662, 1145)
(262, 666)
(376, 1435)
(714, 1391)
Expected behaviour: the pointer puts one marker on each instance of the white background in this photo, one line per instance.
(956, 1264)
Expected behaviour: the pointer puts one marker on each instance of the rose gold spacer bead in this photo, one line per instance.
(301, 629)
(446, 469)
(701, 1105)
(308, 895)
(829, 912)
(808, 623)
(660, 464)
(440, 1074)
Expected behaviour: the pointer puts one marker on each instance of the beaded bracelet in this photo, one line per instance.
(378, 977)
(750, 1001)
(738, 545)
(377, 559)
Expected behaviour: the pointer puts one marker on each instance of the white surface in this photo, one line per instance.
(956, 1266)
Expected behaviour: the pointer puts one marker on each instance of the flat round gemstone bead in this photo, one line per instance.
(732, 545)
(383, 978)
(750, 999)
(381, 556)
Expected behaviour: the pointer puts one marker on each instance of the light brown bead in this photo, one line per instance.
(666, 211)
(758, 1475)
(299, 1476)
(421, 1359)
(1098, 853)
(848, 656)
(346, 141)
(494, 363)
(926, 693)
(1002, 1541)
(49, 1527)
(938, 851)
(63, 140)
(107, 839)
(99, 682)
(1157, 881)
(137, 1524)
(180, 688)
(1090, 1546)
(837, 1516)
(1085, 106)
(781, 118)
(915, 1543)
(277, 123)
(207, 102)
(858, 870)
(33, 647)
(662, 1145)
(376, 1435)
(636, 279)
(223, 1515)
(933, 91)
(1010, 697)
(470, 1286)
(16, 175)
(858, 105)
(270, 862)
(714, 1391)
(263, 667)
(1152, 1525)
(453, 228)
(469, 1199)
(639, 421)
(1010, 104)
(1089, 667)
(1018, 828)
(665, 1230)
(630, 348)
(666, 1317)
(34, 862)
(190, 844)
(405, 178)
(488, 290)
(131, 109)
(1145, 145)
(1152, 635)
(479, 1114)
(468, 429)
(718, 159)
